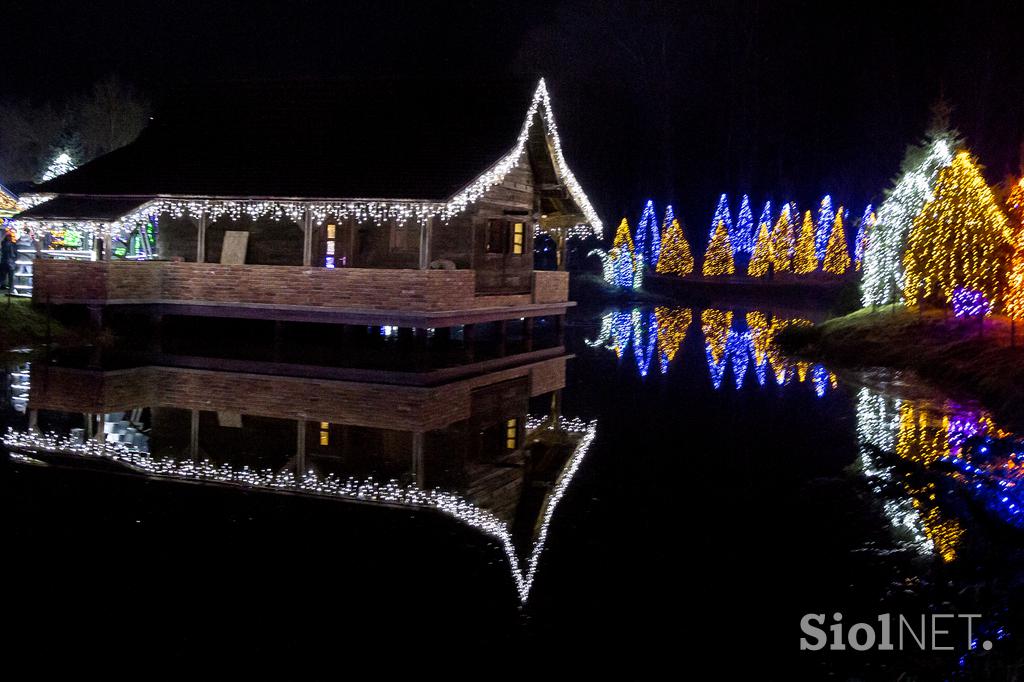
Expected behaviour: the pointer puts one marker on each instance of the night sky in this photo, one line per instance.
(674, 101)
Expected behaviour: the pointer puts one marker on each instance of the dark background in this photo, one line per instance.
(677, 101)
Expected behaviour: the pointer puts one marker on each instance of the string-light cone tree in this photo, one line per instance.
(722, 215)
(647, 229)
(718, 258)
(886, 240)
(837, 256)
(867, 221)
(762, 258)
(623, 238)
(743, 239)
(825, 218)
(676, 257)
(782, 242)
(961, 239)
(666, 225)
(805, 261)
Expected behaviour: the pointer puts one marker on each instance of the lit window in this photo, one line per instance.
(518, 238)
(331, 230)
(325, 434)
(511, 434)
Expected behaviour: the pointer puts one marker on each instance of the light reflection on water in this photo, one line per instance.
(742, 342)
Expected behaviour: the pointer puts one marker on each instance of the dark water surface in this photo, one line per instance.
(677, 491)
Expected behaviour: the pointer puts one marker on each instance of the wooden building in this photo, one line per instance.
(320, 202)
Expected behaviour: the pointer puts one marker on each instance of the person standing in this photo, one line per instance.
(8, 259)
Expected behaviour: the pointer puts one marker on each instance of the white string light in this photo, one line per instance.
(25, 444)
(377, 210)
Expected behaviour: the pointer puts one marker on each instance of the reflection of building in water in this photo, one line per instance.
(17, 386)
(467, 448)
(740, 342)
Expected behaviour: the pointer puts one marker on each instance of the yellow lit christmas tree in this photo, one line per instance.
(675, 257)
(718, 257)
(716, 325)
(837, 257)
(782, 243)
(622, 237)
(673, 324)
(762, 258)
(805, 261)
(959, 239)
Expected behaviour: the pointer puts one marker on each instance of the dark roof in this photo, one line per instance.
(392, 139)
(103, 209)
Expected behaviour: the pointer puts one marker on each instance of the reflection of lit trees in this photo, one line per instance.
(716, 325)
(672, 325)
(662, 333)
(925, 435)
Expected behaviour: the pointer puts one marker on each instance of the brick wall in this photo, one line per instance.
(339, 402)
(351, 288)
(550, 286)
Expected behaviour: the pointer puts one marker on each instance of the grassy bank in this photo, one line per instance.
(23, 325)
(959, 356)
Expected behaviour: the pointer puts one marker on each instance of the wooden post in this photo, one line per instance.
(300, 449)
(201, 241)
(307, 238)
(528, 332)
(193, 439)
(417, 458)
(426, 234)
(108, 244)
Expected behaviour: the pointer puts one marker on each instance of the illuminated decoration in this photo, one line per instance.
(718, 257)
(658, 243)
(1014, 303)
(825, 217)
(722, 215)
(672, 325)
(805, 261)
(867, 222)
(623, 238)
(675, 257)
(665, 331)
(523, 571)
(717, 328)
(737, 348)
(970, 303)
(762, 258)
(643, 353)
(746, 232)
(621, 267)
(62, 163)
(783, 243)
(377, 211)
(716, 325)
(837, 257)
(960, 239)
(886, 240)
(647, 227)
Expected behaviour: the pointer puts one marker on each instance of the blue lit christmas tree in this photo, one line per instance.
(746, 234)
(722, 215)
(823, 228)
(648, 227)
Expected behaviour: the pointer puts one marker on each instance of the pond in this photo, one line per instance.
(668, 484)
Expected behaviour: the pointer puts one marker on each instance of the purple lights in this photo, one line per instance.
(970, 303)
